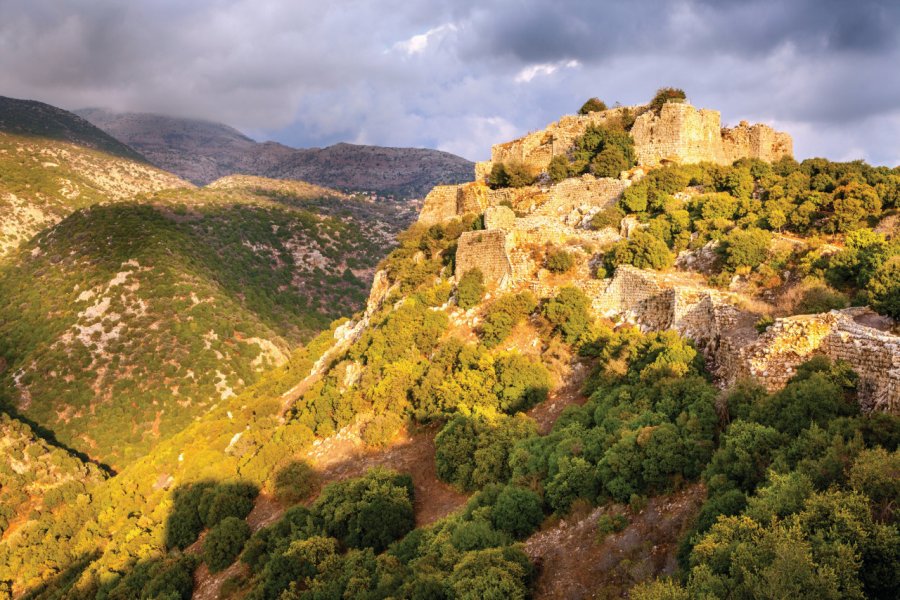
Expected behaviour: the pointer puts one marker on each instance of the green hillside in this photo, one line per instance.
(125, 321)
(44, 180)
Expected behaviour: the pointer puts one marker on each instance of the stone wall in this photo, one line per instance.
(440, 204)
(683, 134)
(874, 355)
(484, 250)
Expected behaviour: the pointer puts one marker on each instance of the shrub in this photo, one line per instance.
(513, 174)
(522, 382)
(592, 105)
(594, 141)
(569, 313)
(517, 511)
(642, 250)
(746, 247)
(224, 542)
(295, 481)
(470, 289)
(559, 168)
(608, 524)
(503, 314)
(885, 288)
(559, 261)
(608, 217)
(667, 94)
(609, 162)
(368, 512)
(821, 298)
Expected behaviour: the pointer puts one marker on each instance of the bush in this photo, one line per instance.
(746, 247)
(642, 250)
(608, 524)
(609, 162)
(513, 174)
(885, 288)
(821, 298)
(559, 168)
(503, 314)
(667, 94)
(517, 511)
(470, 289)
(594, 141)
(522, 382)
(368, 512)
(592, 105)
(224, 542)
(295, 482)
(608, 217)
(569, 313)
(559, 261)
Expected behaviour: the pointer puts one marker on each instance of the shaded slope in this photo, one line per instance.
(36, 119)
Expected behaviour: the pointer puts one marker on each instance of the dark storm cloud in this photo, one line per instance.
(462, 74)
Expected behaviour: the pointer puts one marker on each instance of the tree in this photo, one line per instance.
(885, 288)
(666, 94)
(224, 542)
(569, 313)
(853, 203)
(503, 314)
(517, 511)
(492, 574)
(746, 247)
(609, 162)
(470, 289)
(522, 382)
(642, 250)
(294, 482)
(592, 105)
(559, 260)
(558, 170)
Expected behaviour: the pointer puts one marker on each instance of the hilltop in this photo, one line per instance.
(203, 151)
(623, 352)
(36, 119)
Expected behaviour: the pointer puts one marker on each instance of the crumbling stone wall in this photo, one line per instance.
(499, 217)
(585, 191)
(484, 250)
(684, 134)
(445, 202)
(874, 355)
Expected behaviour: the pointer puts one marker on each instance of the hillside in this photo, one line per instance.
(44, 180)
(202, 151)
(36, 119)
(145, 315)
(572, 377)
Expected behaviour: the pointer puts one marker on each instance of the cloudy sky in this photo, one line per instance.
(460, 75)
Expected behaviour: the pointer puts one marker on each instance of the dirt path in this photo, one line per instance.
(573, 565)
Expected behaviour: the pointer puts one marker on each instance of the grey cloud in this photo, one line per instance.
(313, 73)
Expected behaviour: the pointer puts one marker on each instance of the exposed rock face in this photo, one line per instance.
(484, 250)
(679, 133)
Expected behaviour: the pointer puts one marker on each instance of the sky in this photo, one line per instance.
(460, 75)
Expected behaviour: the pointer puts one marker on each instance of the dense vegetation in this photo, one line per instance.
(148, 315)
(750, 217)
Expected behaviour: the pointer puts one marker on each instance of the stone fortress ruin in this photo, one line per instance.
(520, 222)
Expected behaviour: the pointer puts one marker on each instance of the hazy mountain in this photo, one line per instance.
(202, 151)
(33, 118)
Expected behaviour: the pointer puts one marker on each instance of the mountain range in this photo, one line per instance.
(203, 151)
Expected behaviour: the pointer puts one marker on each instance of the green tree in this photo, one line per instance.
(642, 250)
(470, 289)
(559, 260)
(224, 542)
(569, 313)
(559, 168)
(746, 247)
(295, 481)
(592, 105)
(517, 511)
(666, 94)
